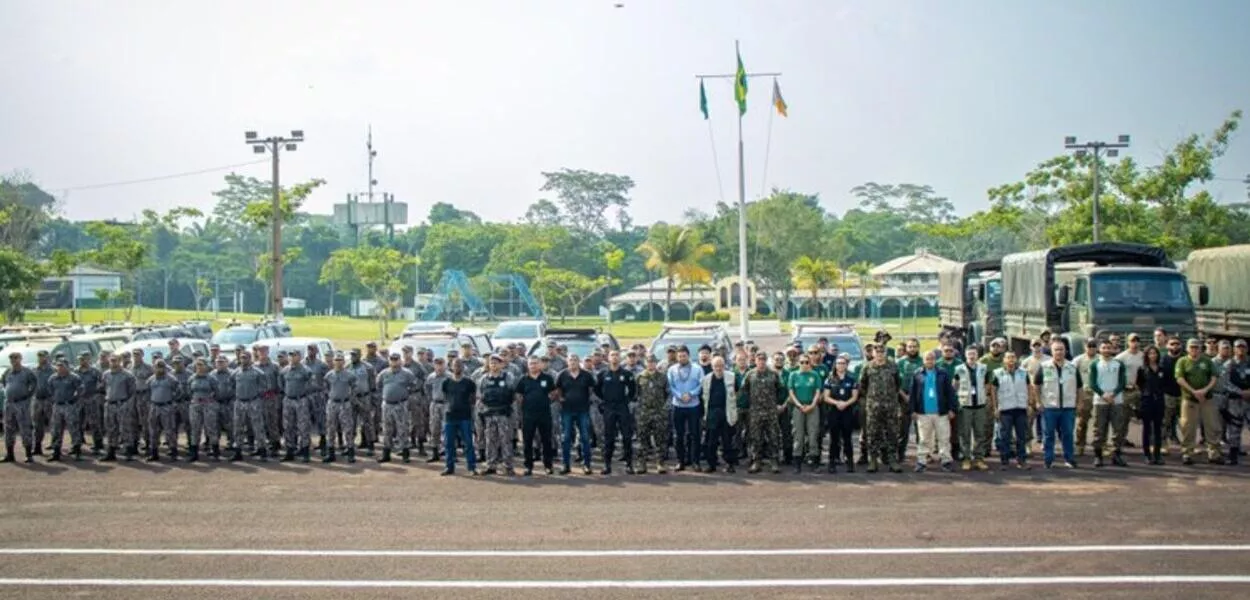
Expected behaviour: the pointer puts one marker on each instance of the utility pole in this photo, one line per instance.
(743, 313)
(1097, 149)
(275, 144)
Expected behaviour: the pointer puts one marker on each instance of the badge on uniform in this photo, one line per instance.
(607, 378)
(543, 383)
(501, 383)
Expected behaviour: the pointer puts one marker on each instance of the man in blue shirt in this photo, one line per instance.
(932, 406)
(685, 384)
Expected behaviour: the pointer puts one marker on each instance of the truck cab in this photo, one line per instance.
(1101, 300)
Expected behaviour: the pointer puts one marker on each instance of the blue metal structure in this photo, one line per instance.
(453, 295)
(517, 283)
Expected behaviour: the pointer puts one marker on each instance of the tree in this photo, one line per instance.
(103, 295)
(20, 277)
(613, 258)
(863, 274)
(813, 274)
(370, 270)
(588, 198)
(24, 209)
(676, 252)
(121, 248)
(544, 214)
(442, 212)
(565, 290)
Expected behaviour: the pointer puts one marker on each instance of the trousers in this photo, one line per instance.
(1206, 413)
(618, 422)
(498, 436)
(720, 435)
(162, 418)
(841, 428)
(805, 429)
(1014, 434)
(536, 426)
(395, 425)
(568, 420)
(296, 422)
(17, 421)
(972, 428)
(935, 438)
(248, 412)
(65, 416)
(204, 426)
(341, 421)
(686, 434)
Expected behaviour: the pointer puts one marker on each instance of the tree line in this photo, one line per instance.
(578, 244)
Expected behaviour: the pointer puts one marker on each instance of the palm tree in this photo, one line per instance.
(677, 253)
(813, 275)
(844, 284)
(863, 273)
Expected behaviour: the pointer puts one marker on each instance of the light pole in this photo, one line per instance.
(275, 145)
(1097, 149)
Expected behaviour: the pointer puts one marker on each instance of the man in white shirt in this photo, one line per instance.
(1106, 377)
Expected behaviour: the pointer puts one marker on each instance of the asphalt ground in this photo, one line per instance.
(376, 531)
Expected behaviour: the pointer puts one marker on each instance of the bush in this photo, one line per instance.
(706, 316)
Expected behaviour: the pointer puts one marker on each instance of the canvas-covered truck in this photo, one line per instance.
(1226, 271)
(1089, 291)
(970, 303)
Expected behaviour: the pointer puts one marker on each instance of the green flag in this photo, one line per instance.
(740, 87)
(702, 100)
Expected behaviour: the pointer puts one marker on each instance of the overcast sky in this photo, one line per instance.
(470, 100)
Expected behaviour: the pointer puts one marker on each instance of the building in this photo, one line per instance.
(79, 288)
(902, 287)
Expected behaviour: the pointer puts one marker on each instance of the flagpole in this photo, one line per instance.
(744, 322)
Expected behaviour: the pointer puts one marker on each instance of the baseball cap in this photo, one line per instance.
(1240, 343)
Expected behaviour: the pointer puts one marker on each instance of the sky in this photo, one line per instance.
(470, 101)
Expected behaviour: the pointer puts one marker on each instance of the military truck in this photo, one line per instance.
(1226, 271)
(970, 303)
(1089, 291)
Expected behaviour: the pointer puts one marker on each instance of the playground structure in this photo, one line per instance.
(454, 299)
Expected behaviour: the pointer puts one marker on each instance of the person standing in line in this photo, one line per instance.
(1132, 359)
(535, 390)
(66, 390)
(803, 385)
(1010, 392)
(418, 407)
(495, 389)
(1171, 396)
(652, 418)
(318, 366)
(91, 408)
(948, 362)
(438, 407)
(119, 393)
(994, 361)
(1195, 374)
(395, 383)
(202, 412)
(41, 407)
(19, 388)
(162, 413)
(765, 392)
(574, 385)
(684, 383)
(460, 393)
(249, 382)
(340, 414)
(1151, 381)
(270, 400)
(1107, 379)
(908, 365)
(841, 395)
(1031, 363)
(879, 383)
(295, 380)
(720, 407)
(1238, 370)
(615, 386)
(225, 402)
(1056, 383)
(932, 399)
(970, 382)
(1085, 399)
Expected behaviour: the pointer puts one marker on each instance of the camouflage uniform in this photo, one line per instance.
(438, 408)
(879, 386)
(162, 414)
(19, 388)
(396, 386)
(363, 404)
(182, 401)
(119, 395)
(496, 394)
(764, 390)
(202, 413)
(249, 383)
(652, 418)
(225, 407)
(142, 372)
(418, 408)
(41, 406)
(65, 411)
(317, 397)
(340, 414)
(296, 380)
(91, 406)
(270, 404)
(1084, 402)
(378, 364)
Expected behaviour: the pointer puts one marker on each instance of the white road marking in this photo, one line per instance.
(624, 553)
(637, 584)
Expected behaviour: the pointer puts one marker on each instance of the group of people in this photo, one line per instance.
(707, 410)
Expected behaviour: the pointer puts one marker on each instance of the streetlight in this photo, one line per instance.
(275, 145)
(1097, 149)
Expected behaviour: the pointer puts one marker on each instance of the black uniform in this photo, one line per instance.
(618, 391)
(535, 395)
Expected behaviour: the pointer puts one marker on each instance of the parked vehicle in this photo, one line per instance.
(691, 335)
(842, 335)
(187, 347)
(527, 332)
(1226, 271)
(970, 303)
(287, 344)
(581, 342)
(243, 335)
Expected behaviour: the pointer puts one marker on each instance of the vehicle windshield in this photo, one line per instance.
(439, 346)
(235, 336)
(845, 343)
(148, 351)
(1137, 290)
(691, 342)
(994, 295)
(582, 348)
(516, 330)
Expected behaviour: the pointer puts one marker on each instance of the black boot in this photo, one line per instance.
(263, 456)
(1233, 454)
(405, 456)
(38, 446)
(214, 451)
(288, 456)
(329, 457)
(97, 446)
(173, 454)
(236, 455)
(110, 456)
(8, 454)
(56, 455)
(1118, 460)
(152, 456)
(131, 452)
(321, 445)
(369, 449)
(351, 455)
(386, 456)
(420, 448)
(30, 456)
(193, 453)
(433, 457)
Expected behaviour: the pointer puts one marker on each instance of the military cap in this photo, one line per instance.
(371, 345)
(394, 356)
(84, 354)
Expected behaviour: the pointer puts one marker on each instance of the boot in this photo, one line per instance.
(369, 449)
(263, 456)
(1098, 462)
(110, 456)
(321, 445)
(56, 455)
(420, 448)
(215, 452)
(152, 456)
(38, 446)
(1118, 460)
(173, 454)
(237, 455)
(97, 446)
(303, 455)
(289, 456)
(351, 455)
(405, 456)
(433, 457)
(386, 456)
(30, 456)
(193, 453)
(131, 452)
(329, 457)
(1233, 455)
(798, 466)
(754, 468)
(8, 454)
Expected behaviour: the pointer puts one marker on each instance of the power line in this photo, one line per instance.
(94, 186)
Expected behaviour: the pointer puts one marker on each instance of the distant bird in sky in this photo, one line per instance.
(619, 5)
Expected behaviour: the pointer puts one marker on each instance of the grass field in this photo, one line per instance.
(347, 332)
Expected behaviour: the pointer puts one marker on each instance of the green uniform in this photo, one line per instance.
(879, 387)
(907, 367)
(1199, 373)
(763, 390)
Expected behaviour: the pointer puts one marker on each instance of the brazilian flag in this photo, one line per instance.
(740, 87)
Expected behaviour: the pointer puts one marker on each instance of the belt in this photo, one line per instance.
(437, 401)
(297, 397)
(70, 403)
(170, 403)
(246, 399)
(977, 406)
(204, 400)
(364, 394)
(269, 394)
(396, 402)
(122, 401)
(340, 401)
